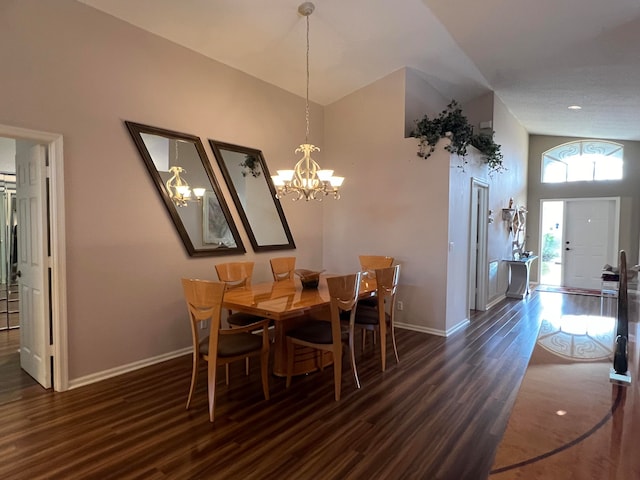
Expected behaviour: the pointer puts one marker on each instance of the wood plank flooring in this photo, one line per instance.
(439, 414)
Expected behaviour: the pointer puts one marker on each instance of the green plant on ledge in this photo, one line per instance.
(490, 150)
(453, 124)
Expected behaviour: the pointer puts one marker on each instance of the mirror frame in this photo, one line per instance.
(136, 130)
(217, 146)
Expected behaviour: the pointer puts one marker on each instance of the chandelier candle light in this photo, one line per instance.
(307, 180)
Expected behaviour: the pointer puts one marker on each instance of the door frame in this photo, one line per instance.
(57, 238)
(616, 232)
(478, 229)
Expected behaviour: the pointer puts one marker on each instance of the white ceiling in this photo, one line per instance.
(538, 56)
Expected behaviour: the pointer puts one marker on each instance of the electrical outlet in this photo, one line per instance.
(400, 305)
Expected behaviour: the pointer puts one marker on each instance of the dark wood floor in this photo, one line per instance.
(439, 414)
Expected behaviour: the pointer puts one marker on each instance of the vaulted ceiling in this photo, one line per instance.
(539, 57)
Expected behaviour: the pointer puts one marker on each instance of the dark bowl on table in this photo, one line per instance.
(308, 278)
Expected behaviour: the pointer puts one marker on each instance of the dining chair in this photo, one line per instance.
(368, 265)
(238, 275)
(282, 268)
(220, 346)
(381, 317)
(329, 335)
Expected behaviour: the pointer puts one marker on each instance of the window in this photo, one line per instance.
(583, 161)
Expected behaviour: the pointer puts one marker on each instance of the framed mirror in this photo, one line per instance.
(247, 176)
(181, 170)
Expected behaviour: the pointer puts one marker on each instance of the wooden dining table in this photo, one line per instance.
(288, 305)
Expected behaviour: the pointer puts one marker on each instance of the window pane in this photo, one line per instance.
(580, 169)
(608, 168)
(554, 171)
(583, 161)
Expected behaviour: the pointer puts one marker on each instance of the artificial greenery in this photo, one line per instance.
(490, 150)
(453, 124)
(251, 165)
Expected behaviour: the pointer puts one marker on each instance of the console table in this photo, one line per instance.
(519, 277)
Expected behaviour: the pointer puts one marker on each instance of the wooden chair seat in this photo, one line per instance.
(316, 331)
(233, 345)
(241, 319)
(238, 275)
(369, 316)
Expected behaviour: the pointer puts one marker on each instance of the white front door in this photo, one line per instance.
(590, 241)
(33, 264)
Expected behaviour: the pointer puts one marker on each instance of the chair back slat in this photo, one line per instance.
(369, 263)
(235, 274)
(204, 303)
(282, 268)
(386, 288)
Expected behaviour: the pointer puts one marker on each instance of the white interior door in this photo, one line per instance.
(32, 264)
(478, 265)
(590, 240)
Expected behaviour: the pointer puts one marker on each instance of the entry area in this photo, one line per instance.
(578, 237)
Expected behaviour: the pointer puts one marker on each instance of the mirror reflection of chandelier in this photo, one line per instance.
(178, 188)
(307, 180)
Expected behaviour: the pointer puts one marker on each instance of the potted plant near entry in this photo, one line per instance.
(453, 124)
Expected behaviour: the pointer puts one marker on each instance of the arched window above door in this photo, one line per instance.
(583, 161)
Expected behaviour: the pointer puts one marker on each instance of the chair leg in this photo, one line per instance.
(264, 367)
(194, 377)
(383, 347)
(211, 388)
(393, 340)
(226, 374)
(290, 347)
(246, 366)
(352, 348)
(337, 370)
(383, 352)
(364, 338)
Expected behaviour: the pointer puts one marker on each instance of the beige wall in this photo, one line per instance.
(81, 73)
(72, 70)
(513, 139)
(628, 189)
(412, 208)
(394, 203)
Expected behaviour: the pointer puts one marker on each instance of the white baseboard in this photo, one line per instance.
(433, 331)
(496, 300)
(114, 372)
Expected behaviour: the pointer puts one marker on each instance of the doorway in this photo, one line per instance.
(478, 266)
(577, 237)
(51, 322)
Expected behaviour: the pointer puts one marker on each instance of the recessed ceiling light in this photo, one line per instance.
(574, 107)
(561, 413)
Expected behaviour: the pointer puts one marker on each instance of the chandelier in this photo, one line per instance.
(178, 188)
(307, 180)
